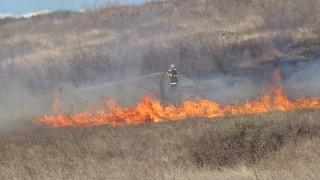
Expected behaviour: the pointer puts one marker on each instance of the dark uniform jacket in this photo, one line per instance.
(172, 73)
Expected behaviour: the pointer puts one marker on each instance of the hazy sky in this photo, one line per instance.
(24, 6)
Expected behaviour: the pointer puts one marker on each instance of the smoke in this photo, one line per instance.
(19, 105)
(301, 77)
(129, 66)
(25, 96)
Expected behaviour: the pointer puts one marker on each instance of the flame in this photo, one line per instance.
(151, 110)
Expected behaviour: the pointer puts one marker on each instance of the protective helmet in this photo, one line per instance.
(173, 66)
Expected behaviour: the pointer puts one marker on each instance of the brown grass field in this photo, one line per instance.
(276, 145)
(44, 54)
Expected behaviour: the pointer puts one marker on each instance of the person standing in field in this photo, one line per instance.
(172, 73)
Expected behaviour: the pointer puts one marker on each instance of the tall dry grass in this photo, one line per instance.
(205, 37)
(277, 145)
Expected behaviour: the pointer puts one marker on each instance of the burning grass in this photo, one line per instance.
(150, 110)
(281, 145)
(272, 137)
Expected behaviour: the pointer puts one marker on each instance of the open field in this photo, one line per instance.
(232, 47)
(277, 145)
(212, 41)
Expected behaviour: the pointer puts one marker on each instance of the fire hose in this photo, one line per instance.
(118, 82)
(127, 81)
(197, 82)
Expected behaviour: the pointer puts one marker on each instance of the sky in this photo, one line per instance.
(18, 7)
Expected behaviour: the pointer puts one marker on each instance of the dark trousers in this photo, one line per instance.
(173, 87)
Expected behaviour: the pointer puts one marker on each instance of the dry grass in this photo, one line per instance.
(153, 22)
(183, 32)
(204, 37)
(274, 145)
(190, 32)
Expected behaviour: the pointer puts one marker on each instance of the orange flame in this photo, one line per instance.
(151, 110)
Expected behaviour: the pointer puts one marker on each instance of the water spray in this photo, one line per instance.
(115, 83)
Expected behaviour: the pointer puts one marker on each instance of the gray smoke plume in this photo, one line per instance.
(131, 65)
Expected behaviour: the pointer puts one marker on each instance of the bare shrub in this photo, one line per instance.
(157, 59)
(286, 14)
(217, 50)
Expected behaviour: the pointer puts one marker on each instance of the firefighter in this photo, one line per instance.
(172, 73)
